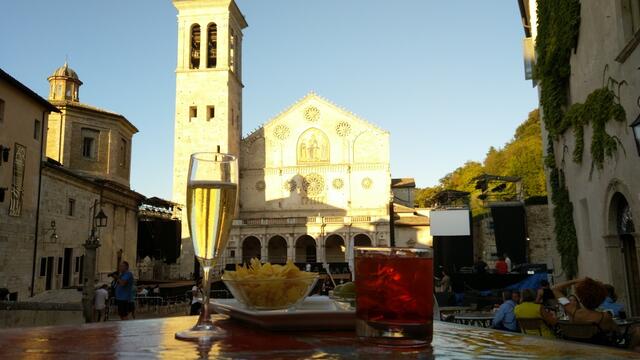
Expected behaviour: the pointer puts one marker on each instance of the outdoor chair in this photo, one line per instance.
(586, 332)
(531, 326)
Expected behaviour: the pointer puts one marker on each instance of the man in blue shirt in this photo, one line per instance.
(610, 303)
(124, 283)
(505, 319)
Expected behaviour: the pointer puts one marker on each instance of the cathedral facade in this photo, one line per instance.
(314, 181)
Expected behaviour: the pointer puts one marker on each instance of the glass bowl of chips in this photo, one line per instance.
(269, 287)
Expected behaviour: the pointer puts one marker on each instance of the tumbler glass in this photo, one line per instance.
(394, 296)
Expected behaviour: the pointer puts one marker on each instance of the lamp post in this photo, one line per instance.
(392, 222)
(89, 265)
(635, 126)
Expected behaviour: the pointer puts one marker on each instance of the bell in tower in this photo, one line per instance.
(64, 84)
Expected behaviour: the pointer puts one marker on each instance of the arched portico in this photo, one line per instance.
(251, 248)
(305, 249)
(622, 236)
(334, 248)
(621, 241)
(277, 250)
(362, 240)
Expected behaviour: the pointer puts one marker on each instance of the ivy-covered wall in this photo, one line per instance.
(558, 37)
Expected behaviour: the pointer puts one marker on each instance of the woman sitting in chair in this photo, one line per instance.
(533, 318)
(591, 294)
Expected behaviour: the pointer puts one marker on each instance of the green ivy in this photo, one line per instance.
(558, 30)
(598, 109)
(565, 230)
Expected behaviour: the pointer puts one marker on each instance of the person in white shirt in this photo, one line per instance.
(508, 261)
(196, 298)
(100, 303)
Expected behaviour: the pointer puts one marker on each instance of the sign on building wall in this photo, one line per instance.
(529, 57)
(19, 160)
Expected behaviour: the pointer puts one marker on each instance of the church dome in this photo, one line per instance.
(65, 71)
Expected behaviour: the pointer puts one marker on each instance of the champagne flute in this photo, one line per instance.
(211, 205)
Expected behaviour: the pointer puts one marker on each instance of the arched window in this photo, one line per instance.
(212, 45)
(195, 47)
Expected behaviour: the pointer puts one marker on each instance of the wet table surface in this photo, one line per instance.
(154, 339)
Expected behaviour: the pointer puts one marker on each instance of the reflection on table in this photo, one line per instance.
(154, 339)
(479, 319)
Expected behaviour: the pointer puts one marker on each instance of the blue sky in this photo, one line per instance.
(444, 77)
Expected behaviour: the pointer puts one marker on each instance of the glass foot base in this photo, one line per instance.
(201, 332)
(395, 335)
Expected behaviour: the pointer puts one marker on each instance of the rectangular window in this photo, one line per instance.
(77, 267)
(87, 147)
(193, 112)
(36, 129)
(43, 266)
(71, 207)
(211, 112)
(90, 143)
(60, 261)
(1, 110)
(123, 152)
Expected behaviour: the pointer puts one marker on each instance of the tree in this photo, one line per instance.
(521, 156)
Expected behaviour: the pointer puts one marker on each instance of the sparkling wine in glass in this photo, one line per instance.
(212, 189)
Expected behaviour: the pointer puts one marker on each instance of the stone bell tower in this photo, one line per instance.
(208, 92)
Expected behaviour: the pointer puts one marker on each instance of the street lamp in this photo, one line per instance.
(101, 219)
(89, 267)
(636, 132)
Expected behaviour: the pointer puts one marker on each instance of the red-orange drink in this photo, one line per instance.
(394, 295)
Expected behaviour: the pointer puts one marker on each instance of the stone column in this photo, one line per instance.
(320, 251)
(264, 248)
(291, 248)
(89, 273)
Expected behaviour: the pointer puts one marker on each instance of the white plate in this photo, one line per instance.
(315, 313)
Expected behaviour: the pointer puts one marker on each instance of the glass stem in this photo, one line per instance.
(205, 317)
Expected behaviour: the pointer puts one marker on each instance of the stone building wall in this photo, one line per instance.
(541, 246)
(607, 55)
(203, 88)
(59, 186)
(64, 144)
(18, 227)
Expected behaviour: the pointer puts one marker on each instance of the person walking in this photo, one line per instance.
(100, 303)
(123, 280)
